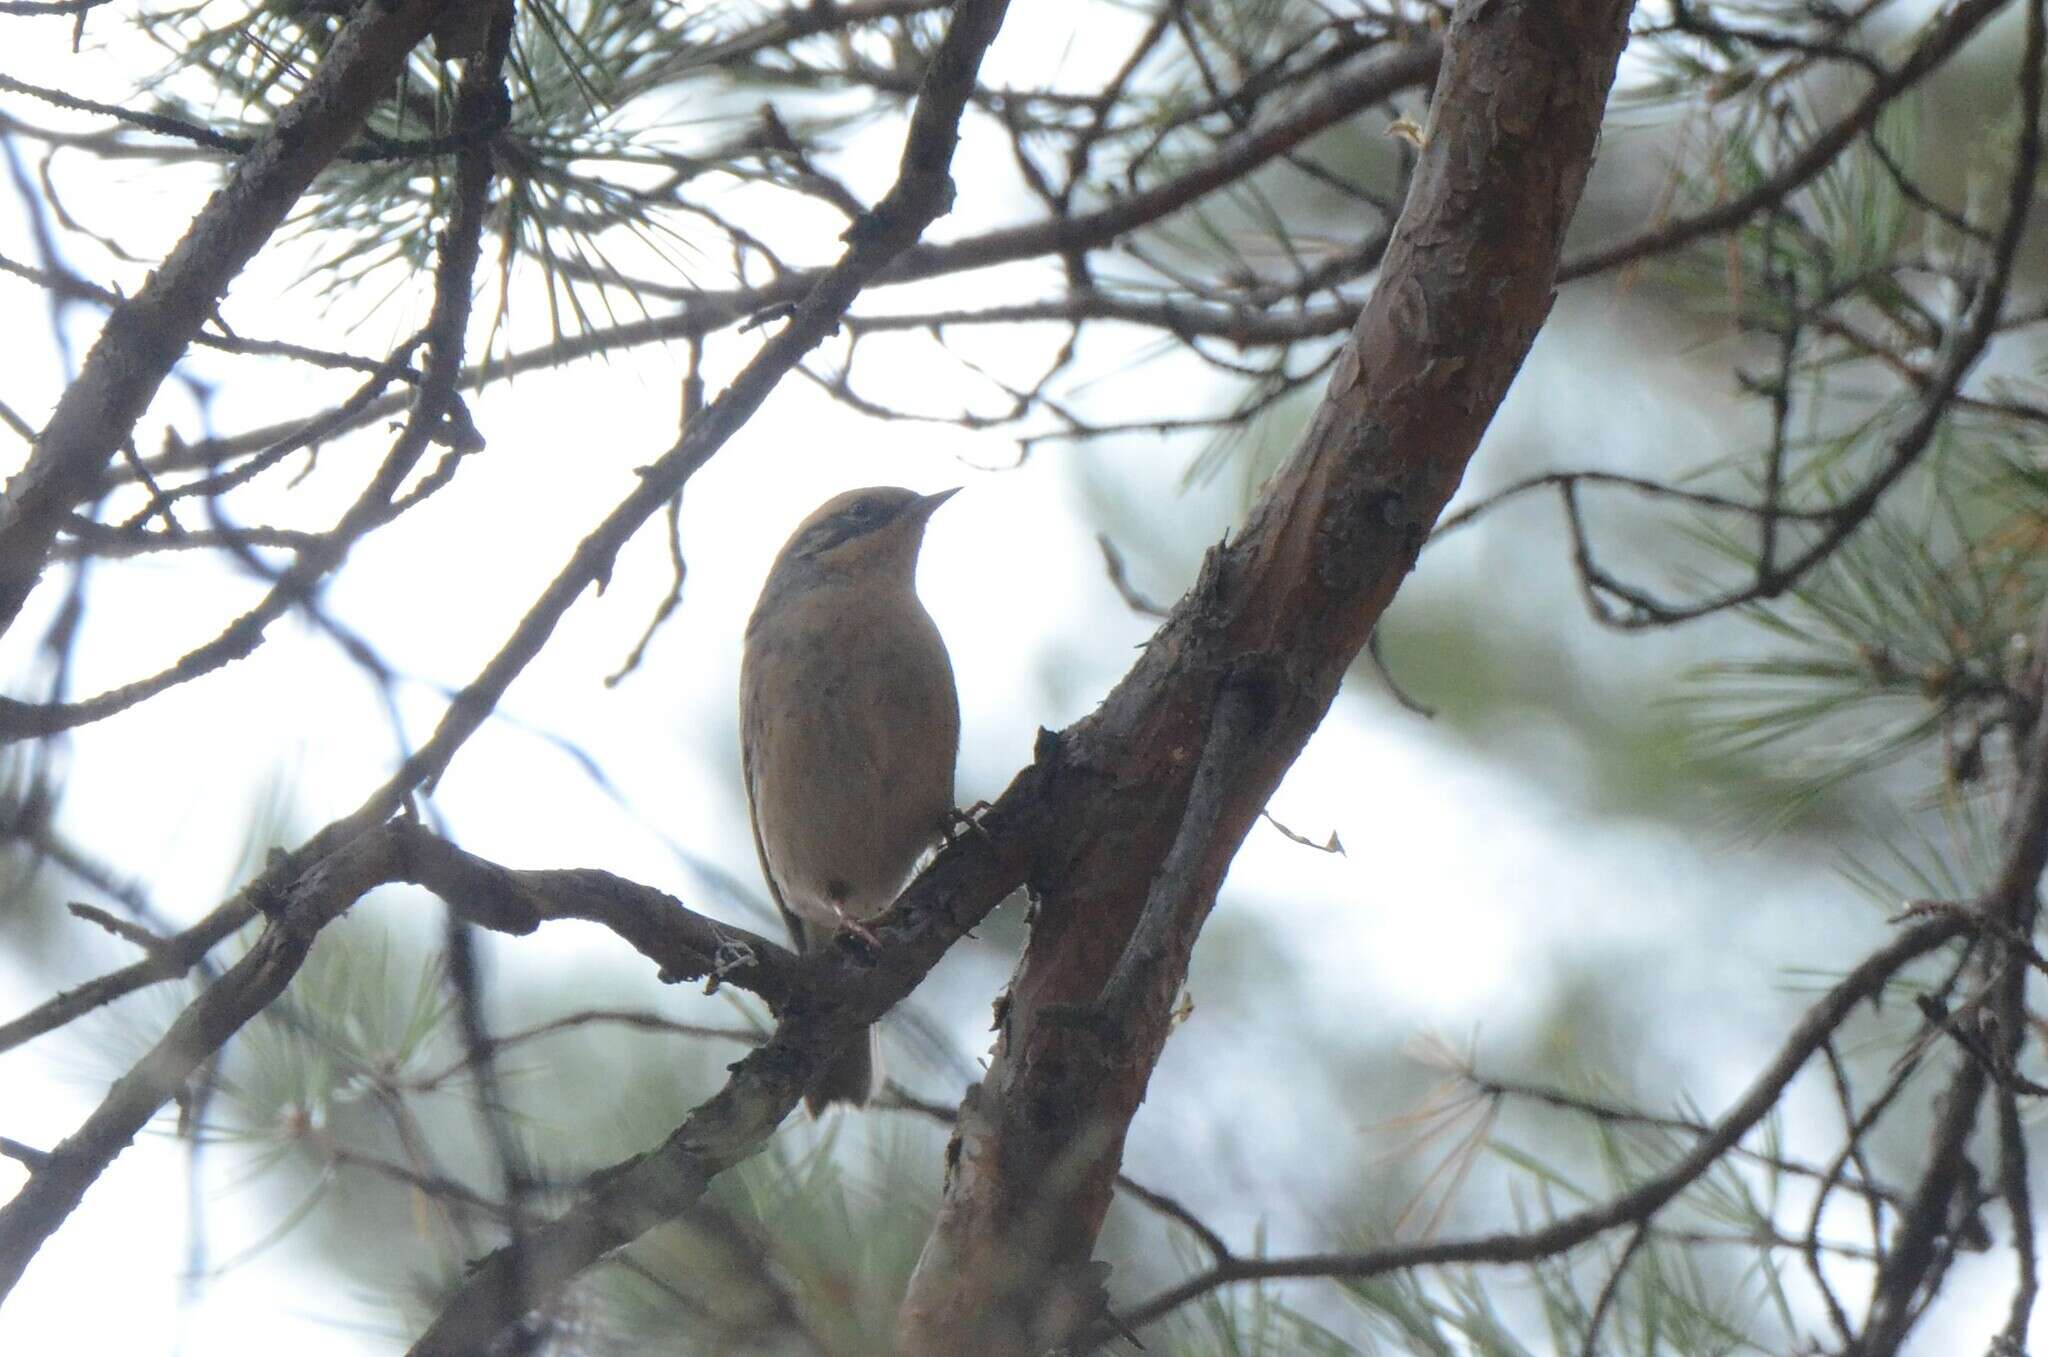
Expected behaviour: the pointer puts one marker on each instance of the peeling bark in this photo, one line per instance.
(1267, 633)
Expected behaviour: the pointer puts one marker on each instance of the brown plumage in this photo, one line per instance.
(849, 726)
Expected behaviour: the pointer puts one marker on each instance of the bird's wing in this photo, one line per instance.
(796, 925)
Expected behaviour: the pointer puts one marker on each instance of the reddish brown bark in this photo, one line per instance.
(1247, 667)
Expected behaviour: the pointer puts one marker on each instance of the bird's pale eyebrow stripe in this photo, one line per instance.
(827, 535)
(841, 527)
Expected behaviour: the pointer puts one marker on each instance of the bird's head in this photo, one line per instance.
(876, 531)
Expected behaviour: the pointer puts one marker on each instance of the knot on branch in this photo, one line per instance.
(918, 199)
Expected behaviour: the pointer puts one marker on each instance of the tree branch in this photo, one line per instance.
(922, 193)
(248, 987)
(1631, 1208)
(684, 944)
(1344, 94)
(766, 1084)
(145, 335)
(1954, 30)
(1465, 284)
(1979, 324)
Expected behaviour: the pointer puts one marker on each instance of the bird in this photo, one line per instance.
(849, 729)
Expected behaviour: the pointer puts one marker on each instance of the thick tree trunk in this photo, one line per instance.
(1159, 786)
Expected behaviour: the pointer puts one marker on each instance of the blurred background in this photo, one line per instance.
(1552, 853)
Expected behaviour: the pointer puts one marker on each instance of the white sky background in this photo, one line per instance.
(1467, 881)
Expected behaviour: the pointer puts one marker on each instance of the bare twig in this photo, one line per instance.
(1344, 93)
(1120, 580)
(767, 1083)
(1631, 1208)
(569, 1022)
(1952, 31)
(145, 334)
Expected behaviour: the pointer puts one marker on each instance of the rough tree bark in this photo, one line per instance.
(1157, 788)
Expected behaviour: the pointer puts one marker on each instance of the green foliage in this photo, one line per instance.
(1910, 639)
(355, 1021)
(615, 108)
(1909, 645)
(1903, 655)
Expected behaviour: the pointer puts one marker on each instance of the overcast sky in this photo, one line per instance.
(1470, 869)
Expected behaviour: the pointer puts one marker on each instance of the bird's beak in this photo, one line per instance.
(925, 507)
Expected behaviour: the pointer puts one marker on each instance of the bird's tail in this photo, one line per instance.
(850, 1078)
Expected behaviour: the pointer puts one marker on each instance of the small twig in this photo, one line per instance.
(640, 1193)
(33, 1159)
(1852, 1151)
(1610, 1289)
(1386, 673)
(1640, 1203)
(12, 418)
(693, 404)
(152, 943)
(1181, 1215)
(1335, 845)
(371, 148)
(895, 1097)
(1113, 562)
(1820, 152)
(1974, 917)
(645, 1022)
(160, 505)
(41, 7)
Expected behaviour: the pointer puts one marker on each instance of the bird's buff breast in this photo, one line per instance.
(860, 742)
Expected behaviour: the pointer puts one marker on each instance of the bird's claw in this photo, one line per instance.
(854, 928)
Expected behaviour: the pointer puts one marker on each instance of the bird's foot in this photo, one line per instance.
(854, 928)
